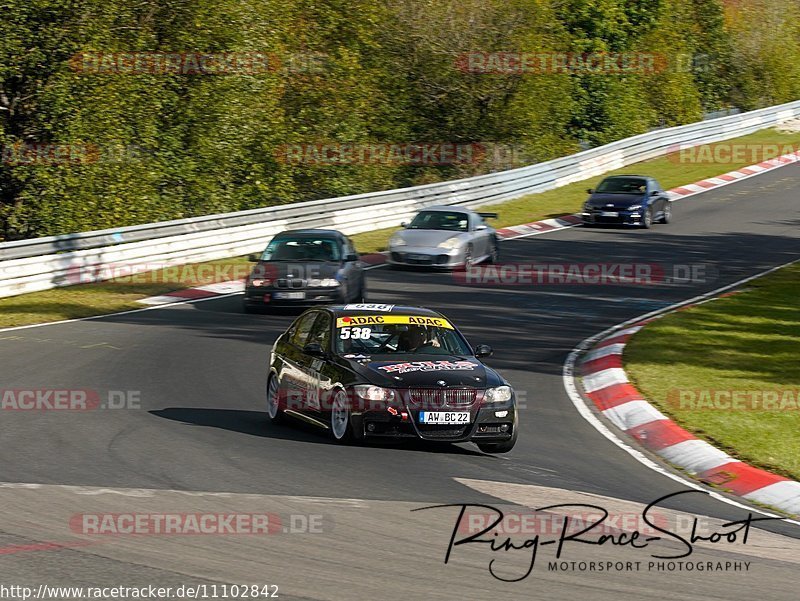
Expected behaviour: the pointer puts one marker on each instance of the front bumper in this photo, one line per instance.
(265, 297)
(426, 256)
(622, 217)
(488, 423)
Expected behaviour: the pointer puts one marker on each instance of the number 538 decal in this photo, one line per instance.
(355, 333)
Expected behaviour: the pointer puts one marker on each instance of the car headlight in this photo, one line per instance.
(260, 282)
(635, 207)
(323, 283)
(374, 393)
(501, 394)
(397, 240)
(450, 243)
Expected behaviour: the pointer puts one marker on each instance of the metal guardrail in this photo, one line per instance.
(49, 262)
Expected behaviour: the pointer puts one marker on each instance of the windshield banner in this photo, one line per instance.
(365, 320)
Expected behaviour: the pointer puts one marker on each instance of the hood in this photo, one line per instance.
(427, 237)
(295, 269)
(620, 201)
(424, 371)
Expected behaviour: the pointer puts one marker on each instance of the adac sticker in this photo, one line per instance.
(411, 366)
(365, 320)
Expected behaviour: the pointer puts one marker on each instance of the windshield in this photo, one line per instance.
(440, 220)
(369, 339)
(302, 249)
(623, 185)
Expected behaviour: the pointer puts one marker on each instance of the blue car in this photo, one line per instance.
(627, 200)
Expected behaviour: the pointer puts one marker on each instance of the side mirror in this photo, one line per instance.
(350, 258)
(403, 224)
(314, 349)
(480, 228)
(254, 257)
(590, 190)
(483, 350)
(655, 192)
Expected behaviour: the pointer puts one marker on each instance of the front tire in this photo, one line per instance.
(647, 220)
(274, 405)
(467, 260)
(667, 216)
(494, 253)
(341, 428)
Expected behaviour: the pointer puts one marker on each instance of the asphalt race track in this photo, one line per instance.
(200, 441)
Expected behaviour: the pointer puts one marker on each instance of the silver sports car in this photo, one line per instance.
(445, 237)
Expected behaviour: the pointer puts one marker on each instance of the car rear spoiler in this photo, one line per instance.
(488, 215)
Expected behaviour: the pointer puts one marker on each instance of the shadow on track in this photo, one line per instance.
(255, 423)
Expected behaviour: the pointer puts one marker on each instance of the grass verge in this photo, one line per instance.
(740, 350)
(112, 296)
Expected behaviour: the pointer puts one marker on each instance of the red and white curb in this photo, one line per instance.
(733, 176)
(208, 291)
(606, 383)
(538, 227)
(507, 233)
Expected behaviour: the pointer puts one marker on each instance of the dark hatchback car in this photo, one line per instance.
(303, 268)
(369, 371)
(627, 200)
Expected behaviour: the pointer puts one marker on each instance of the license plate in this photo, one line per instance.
(609, 214)
(288, 295)
(444, 417)
(419, 257)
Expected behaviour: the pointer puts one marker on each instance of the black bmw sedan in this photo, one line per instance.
(627, 200)
(303, 268)
(372, 371)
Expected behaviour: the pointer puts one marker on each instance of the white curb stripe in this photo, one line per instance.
(551, 222)
(695, 456)
(625, 332)
(604, 379)
(784, 495)
(604, 351)
(224, 287)
(633, 414)
(159, 300)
